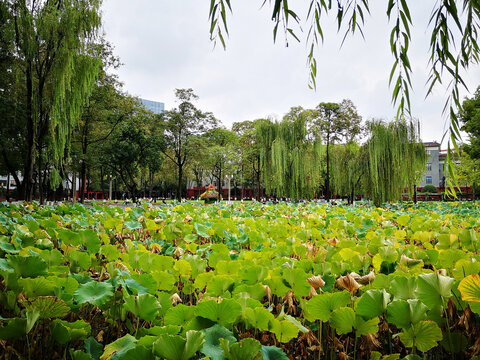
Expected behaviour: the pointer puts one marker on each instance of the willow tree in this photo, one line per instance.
(396, 159)
(335, 123)
(290, 162)
(348, 167)
(58, 67)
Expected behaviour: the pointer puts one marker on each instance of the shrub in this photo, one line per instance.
(429, 189)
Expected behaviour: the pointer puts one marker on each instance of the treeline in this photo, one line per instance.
(65, 116)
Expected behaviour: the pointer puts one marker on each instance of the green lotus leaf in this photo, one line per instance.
(144, 306)
(404, 314)
(175, 347)
(37, 286)
(164, 300)
(138, 352)
(219, 284)
(224, 313)
(80, 355)
(119, 347)
(246, 349)
(159, 330)
(90, 240)
(254, 274)
(179, 315)
(256, 291)
(403, 287)
(202, 230)
(320, 307)
(343, 320)
(372, 303)
(165, 281)
(95, 293)
(297, 280)
(273, 353)
(258, 318)
(14, 329)
(469, 287)
(7, 247)
(183, 267)
(93, 348)
(79, 260)
(64, 331)
(4, 266)
(48, 307)
(28, 266)
(132, 225)
(434, 289)
(110, 252)
(68, 237)
(211, 347)
(277, 285)
(298, 324)
(52, 257)
(32, 317)
(284, 330)
(425, 335)
(364, 327)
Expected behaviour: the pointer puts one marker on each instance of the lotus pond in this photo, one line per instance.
(244, 281)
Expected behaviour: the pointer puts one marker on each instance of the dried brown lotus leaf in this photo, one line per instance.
(188, 219)
(268, 292)
(333, 241)
(175, 298)
(366, 279)
(316, 281)
(409, 262)
(312, 292)
(348, 283)
(179, 252)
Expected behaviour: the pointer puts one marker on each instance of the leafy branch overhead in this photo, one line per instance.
(454, 28)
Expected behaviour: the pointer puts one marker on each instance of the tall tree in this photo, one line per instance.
(52, 40)
(349, 166)
(396, 159)
(250, 167)
(107, 107)
(221, 152)
(12, 116)
(290, 163)
(181, 125)
(335, 123)
(470, 119)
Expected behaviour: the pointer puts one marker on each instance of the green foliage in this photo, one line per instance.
(429, 189)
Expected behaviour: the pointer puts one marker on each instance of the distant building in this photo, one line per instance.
(154, 106)
(433, 171)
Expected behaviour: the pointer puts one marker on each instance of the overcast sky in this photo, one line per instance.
(164, 44)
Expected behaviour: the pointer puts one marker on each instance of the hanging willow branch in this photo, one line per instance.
(290, 163)
(396, 159)
(455, 27)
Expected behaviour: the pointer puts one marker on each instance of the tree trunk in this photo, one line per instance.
(414, 194)
(28, 181)
(83, 170)
(327, 180)
(41, 175)
(74, 187)
(179, 183)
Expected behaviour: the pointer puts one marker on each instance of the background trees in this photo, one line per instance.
(181, 125)
(54, 58)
